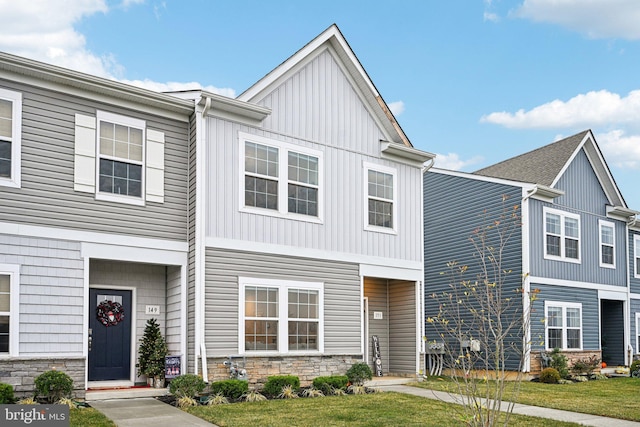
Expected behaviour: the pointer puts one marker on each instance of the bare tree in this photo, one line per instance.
(482, 319)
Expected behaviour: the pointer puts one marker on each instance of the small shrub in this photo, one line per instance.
(186, 401)
(253, 396)
(217, 399)
(6, 394)
(187, 385)
(231, 389)
(288, 393)
(312, 392)
(634, 369)
(358, 373)
(559, 363)
(275, 384)
(549, 376)
(585, 366)
(328, 384)
(53, 385)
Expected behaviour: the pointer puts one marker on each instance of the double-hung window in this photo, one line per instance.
(607, 244)
(10, 137)
(280, 316)
(563, 325)
(121, 162)
(280, 179)
(562, 235)
(637, 333)
(9, 285)
(636, 255)
(380, 198)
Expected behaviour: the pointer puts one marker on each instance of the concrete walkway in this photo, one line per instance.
(151, 412)
(146, 412)
(532, 411)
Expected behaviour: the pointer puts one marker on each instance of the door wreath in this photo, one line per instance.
(110, 313)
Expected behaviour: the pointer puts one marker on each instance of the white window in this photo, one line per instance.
(636, 255)
(280, 179)
(637, 333)
(118, 159)
(9, 328)
(562, 235)
(380, 198)
(10, 137)
(563, 324)
(280, 316)
(607, 244)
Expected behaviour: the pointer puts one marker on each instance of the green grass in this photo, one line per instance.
(615, 397)
(88, 417)
(372, 410)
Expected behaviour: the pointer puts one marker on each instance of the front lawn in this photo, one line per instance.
(380, 409)
(88, 417)
(615, 397)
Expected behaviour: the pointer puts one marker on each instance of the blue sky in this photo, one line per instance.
(475, 81)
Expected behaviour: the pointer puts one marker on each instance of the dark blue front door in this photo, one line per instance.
(110, 347)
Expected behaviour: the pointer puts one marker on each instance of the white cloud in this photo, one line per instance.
(396, 107)
(179, 86)
(44, 30)
(586, 110)
(595, 18)
(620, 150)
(452, 161)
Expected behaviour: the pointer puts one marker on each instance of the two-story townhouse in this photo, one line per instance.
(93, 223)
(572, 246)
(306, 223)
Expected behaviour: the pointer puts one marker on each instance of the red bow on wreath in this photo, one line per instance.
(110, 313)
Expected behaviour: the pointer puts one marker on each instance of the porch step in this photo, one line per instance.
(124, 393)
(382, 381)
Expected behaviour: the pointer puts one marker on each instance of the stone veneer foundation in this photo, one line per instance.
(21, 373)
(305, 367)
(572, 356)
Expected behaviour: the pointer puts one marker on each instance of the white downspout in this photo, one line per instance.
(526, 284)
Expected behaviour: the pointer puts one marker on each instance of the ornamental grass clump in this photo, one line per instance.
(274, 385)
(187, 385)
(329, 383)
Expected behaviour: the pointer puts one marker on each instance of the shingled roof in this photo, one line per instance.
(541, 166)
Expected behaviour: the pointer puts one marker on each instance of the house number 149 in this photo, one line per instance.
(152, 309)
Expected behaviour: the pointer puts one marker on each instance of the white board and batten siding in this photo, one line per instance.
(318, 109)
(341, 281)
(47, 196)
(51, 294)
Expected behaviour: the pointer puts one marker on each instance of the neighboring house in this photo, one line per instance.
(572, 246)
(283, 226)
(93, 196)
(306, 223)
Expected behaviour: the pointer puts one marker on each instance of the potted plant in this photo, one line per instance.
(151, 354)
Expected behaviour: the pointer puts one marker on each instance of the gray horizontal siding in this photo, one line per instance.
(634, 281)
(377, 292)
(47, 197)
(402, 327)
(341, 296)
(582, 188)
(590, 313)
(633, 339)
(589, 269)
(51, 287)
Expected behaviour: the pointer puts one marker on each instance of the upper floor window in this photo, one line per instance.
(607, 244)
(380, 198)
(280, 179)
(280, 316)
(10, 137)
(562, 235)
(563, 325)
(9, 285)
(120, 155)
(636, 255)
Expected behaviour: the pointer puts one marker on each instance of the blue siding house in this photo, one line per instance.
(572, 246)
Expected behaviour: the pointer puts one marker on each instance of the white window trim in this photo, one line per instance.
(393, 172)
(637, 333)
(130, 122)
(636, 255)
(562, 215)
(283, 178)
(601, 224)
(13, 271)
(564, 306)
(14, 180)
(283, 332)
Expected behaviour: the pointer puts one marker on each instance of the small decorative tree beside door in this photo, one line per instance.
(151, 354)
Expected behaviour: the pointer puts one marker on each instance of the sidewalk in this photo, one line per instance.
(532, 411)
